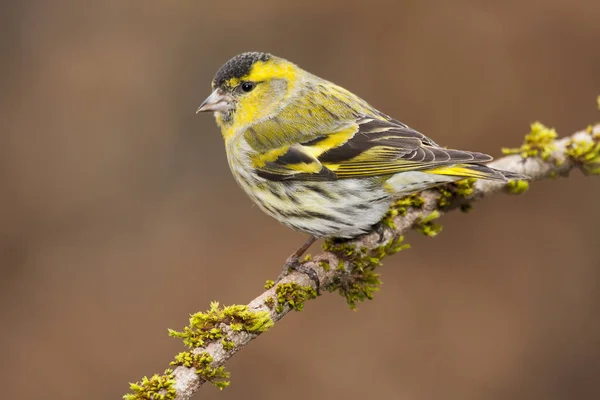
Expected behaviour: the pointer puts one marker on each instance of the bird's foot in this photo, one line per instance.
(380, 229)
(293, 264)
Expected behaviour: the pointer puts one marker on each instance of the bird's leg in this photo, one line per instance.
(380, 229)
(293, 263)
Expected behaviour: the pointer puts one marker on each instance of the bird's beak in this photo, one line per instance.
(217, 101)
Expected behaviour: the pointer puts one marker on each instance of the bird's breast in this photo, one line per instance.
(342, 208)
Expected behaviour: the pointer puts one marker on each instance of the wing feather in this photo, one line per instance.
(369, 147)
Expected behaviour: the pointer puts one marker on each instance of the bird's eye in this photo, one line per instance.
(248, 86)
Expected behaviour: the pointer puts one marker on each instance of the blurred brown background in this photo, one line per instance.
(119, 217)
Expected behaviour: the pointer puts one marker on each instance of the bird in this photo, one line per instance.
(320, 159)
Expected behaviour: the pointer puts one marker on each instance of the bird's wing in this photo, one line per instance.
(366, 148)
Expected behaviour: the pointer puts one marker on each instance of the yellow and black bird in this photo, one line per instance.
(318, 158)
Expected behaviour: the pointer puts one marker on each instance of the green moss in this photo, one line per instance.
(357, 287)
(517, 186)
(540, 142)
(598, 102)
(586, 154)
(360, 282)
(427, 226)
(293, 295)
(400, 207)
(445, 198)
(227, 344)
(201, 363)
(157, 387)
(269, 284)
(270, 302)
(307, 257)
(325, 265)
(344, 248)
(465, 187)
(206, 327)
(452, 191)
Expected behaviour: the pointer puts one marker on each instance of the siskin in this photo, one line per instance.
(318, 158)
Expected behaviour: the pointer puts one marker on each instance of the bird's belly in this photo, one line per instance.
(344, 208)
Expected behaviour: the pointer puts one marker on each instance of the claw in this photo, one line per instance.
(380, 229)
(293, 263)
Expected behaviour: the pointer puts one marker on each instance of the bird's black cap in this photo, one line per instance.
(238, 67)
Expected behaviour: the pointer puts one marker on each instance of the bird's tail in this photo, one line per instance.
(477, 171)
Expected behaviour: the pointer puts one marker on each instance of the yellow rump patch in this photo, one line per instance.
(461, 171)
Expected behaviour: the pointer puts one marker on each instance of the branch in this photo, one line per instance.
(215, 336)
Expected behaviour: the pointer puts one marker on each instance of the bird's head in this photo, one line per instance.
(250, 88)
